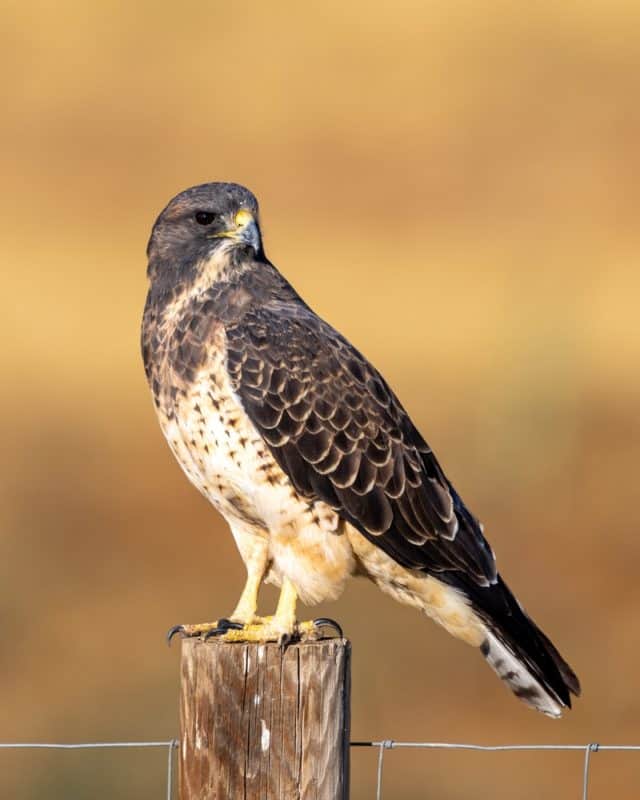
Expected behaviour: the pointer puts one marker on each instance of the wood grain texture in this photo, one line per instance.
(259, 724)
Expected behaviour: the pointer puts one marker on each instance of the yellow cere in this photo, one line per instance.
(243, 217)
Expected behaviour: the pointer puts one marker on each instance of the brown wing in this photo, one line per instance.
(341, 435)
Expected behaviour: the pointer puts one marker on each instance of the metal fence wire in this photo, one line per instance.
(382, 747)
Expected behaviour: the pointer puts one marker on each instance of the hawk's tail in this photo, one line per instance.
(520, 653)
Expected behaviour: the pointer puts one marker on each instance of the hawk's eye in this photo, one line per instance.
(204, 217)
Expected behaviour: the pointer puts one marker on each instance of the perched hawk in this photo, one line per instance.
(302, 446)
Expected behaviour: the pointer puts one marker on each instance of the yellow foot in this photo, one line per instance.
(270, 629)
(204, 629)
(260, 629)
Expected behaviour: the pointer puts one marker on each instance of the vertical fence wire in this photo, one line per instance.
(172, 746)
(381, 749)
(590, 748)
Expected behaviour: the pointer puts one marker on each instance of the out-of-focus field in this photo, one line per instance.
(454, 186)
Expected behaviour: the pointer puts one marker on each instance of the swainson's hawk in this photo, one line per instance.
(302, 446)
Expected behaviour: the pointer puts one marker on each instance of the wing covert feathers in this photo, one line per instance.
(341, 435)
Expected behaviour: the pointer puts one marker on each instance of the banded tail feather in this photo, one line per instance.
(522, 656)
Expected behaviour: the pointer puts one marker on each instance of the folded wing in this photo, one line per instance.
(341, 435)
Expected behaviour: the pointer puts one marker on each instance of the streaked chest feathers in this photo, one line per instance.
(225, 457)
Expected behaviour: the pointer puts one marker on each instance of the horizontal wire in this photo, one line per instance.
(83, 745)
(387, 744)
(390, 744)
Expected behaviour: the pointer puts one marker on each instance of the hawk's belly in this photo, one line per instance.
(224, 456)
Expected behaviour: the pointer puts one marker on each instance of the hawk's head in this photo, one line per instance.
(199, 222)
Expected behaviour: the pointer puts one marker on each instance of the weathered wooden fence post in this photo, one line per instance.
(257, 723)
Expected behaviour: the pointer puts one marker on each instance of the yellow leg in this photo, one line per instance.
(248, 603)
(279, 627)
(286, 610)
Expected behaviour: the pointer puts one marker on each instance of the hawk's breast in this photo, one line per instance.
(216, 443)
(227, 459)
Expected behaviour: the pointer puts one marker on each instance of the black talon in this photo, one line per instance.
(229, 625)
(325, 622)
(172, 632)
(224, 625)
(210, 634)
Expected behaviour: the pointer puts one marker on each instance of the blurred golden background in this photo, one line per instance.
(455, 187)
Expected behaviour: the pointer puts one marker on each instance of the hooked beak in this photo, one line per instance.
(245, 230)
